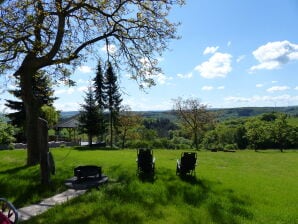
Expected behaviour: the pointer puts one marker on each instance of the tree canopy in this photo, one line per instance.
(55, 34)
(194, 116)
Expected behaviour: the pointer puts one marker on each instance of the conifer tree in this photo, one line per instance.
(113, 100)
(89, 116)
(99, 86)
(42, 89)
(100, 97)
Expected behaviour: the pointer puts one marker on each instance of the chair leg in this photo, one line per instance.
(177, 169)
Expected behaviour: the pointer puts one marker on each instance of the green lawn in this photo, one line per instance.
(241, 187)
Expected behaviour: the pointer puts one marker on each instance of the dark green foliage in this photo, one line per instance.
(281, 131)
(266, 131)
(269, 116)
(90, 116)
(224, 114)
(100, 96)
(113, 99)
(42, 89)
(163, 126)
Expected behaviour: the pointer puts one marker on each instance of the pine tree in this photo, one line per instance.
(42, 89)
(89, 116)
(99, 86)
(100, 97)
(113, 99)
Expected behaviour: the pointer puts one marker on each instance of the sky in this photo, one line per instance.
(231, 54)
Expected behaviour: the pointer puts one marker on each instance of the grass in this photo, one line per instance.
(241, 187)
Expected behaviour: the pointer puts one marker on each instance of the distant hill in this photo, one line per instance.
(223, 114)
(67, 114)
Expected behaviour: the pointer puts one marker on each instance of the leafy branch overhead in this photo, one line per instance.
(59, 32)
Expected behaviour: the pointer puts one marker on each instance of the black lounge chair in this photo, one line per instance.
(187, 164)
(145, 161)
(8, 213)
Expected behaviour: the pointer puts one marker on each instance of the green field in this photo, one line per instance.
(241, 187)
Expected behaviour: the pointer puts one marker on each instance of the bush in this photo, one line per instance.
(136, 144)
(7, 132)
(230, 147)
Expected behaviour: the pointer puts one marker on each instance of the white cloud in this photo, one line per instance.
(82, 81)
(296, 88)
(218, 65)
(111, 48)
(185, 76)
(207, 88)
(236, 99)
(82, 88)
(85, 69)
(160, 59)
(262, 100)
(162, 79)
(229, 43)
(68, 91)
(69, 106)
(259, 85)
(145, 104)
(210, 50)
(240, 58)
(274, 54)
(274, 81)
(278, 88)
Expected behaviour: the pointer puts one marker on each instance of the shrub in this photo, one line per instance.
(230, 147)
(7, 132)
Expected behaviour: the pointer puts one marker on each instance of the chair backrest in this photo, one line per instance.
(188, 160)
(145, 155)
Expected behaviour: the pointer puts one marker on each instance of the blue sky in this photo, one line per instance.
(231, 54)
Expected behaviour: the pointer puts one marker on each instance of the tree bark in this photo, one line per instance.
(26, 73)
(111, 129)
(44, 151)
(90, 140)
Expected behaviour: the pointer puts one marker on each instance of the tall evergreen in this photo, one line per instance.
(113, 99)
(42, 89)
(99, 86)
(89, 116)
(100, 97)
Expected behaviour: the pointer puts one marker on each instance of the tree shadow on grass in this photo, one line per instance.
(22, 185)
(129, 200)
(223, 205)
(95, 148)
(13, 170)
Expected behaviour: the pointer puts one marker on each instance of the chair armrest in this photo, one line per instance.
(8, 211)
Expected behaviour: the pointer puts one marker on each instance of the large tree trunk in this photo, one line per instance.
(196, 140)
(89, 140)
(26, 73)
(44, 152)
(33, 152)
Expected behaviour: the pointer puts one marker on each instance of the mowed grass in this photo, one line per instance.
(241, 187)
